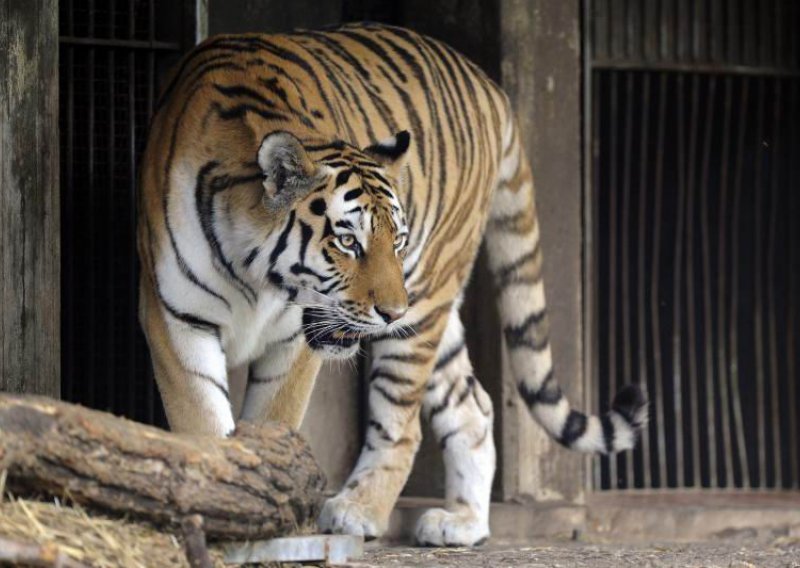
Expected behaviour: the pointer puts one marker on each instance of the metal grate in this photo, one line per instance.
(695, 192)
(110, 52)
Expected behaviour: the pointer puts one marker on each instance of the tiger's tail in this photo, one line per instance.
(513, 241)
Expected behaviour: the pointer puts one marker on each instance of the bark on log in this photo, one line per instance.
(262, 482)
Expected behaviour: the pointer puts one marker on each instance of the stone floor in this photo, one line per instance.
(735, 552)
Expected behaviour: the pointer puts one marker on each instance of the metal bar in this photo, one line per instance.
(732, 32)
(617, 20)
(626, 284)
(663, 31)
(691, 313)
(707, 313)
(763, 42)
(612, 259)
(757, 305)
(110, 190)
(794, 293)
(697, 27)
(733, 327)
(92, 284)
(777, 33)
(120, 43)
(716, 29)
(722, 207)
(594, 230)
(703, 68)
(654, 294)
(628, 30)
(602, 27)
(682, 35)
(590, 128)
(651, 32)
(134, 382)
(677, 266)
(150, 385)
(772, 280)
(641, 274)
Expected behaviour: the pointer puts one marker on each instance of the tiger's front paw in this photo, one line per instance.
(344, 516)
(439, 527)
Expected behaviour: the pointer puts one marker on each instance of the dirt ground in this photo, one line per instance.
(737, 552)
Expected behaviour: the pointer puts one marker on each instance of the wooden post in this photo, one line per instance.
(29, 203)
(540, 63)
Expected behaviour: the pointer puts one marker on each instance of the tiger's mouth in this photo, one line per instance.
(334, 338)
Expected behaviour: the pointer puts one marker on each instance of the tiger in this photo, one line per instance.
(306, 192)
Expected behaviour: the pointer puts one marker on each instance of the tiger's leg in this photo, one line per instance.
(460, 414)
(190, 370)
(400, 371)
(280, 384)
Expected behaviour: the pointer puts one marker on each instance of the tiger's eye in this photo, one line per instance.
(347, 241)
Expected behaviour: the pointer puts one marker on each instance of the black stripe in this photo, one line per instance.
(467, 390)
(503, 273)
(549, 392)
(301, 269)
(191, 319)
(534, 318)
(232, 91)
(445, 359)
(391, 377)
(392, 398)
(410, 358)
(342, 177)
(280, 246)
(381, 430)
(327, 256)
(574, 428)
(213, 381)
(318, 206)
(353, 194)
(445, 402)
(239, 111)
(251, 257)
(443, 440)
(306, 232)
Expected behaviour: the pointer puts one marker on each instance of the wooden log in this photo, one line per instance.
(260, 483)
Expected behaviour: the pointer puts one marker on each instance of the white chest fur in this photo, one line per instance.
(252, 328)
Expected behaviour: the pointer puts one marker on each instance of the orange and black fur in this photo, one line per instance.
(302, 191)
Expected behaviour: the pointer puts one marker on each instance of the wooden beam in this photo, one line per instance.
(29, 199)
(540, 62)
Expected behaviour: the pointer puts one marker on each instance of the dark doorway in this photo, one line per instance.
(695, 195)
(112, 53)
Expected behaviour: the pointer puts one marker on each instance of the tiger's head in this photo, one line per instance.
(340, 251)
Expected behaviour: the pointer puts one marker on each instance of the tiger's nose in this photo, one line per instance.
(391, 313)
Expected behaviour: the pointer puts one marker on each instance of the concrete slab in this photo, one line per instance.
(331, 549)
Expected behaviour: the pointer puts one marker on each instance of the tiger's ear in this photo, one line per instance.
(288, 170)
(391, 152)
